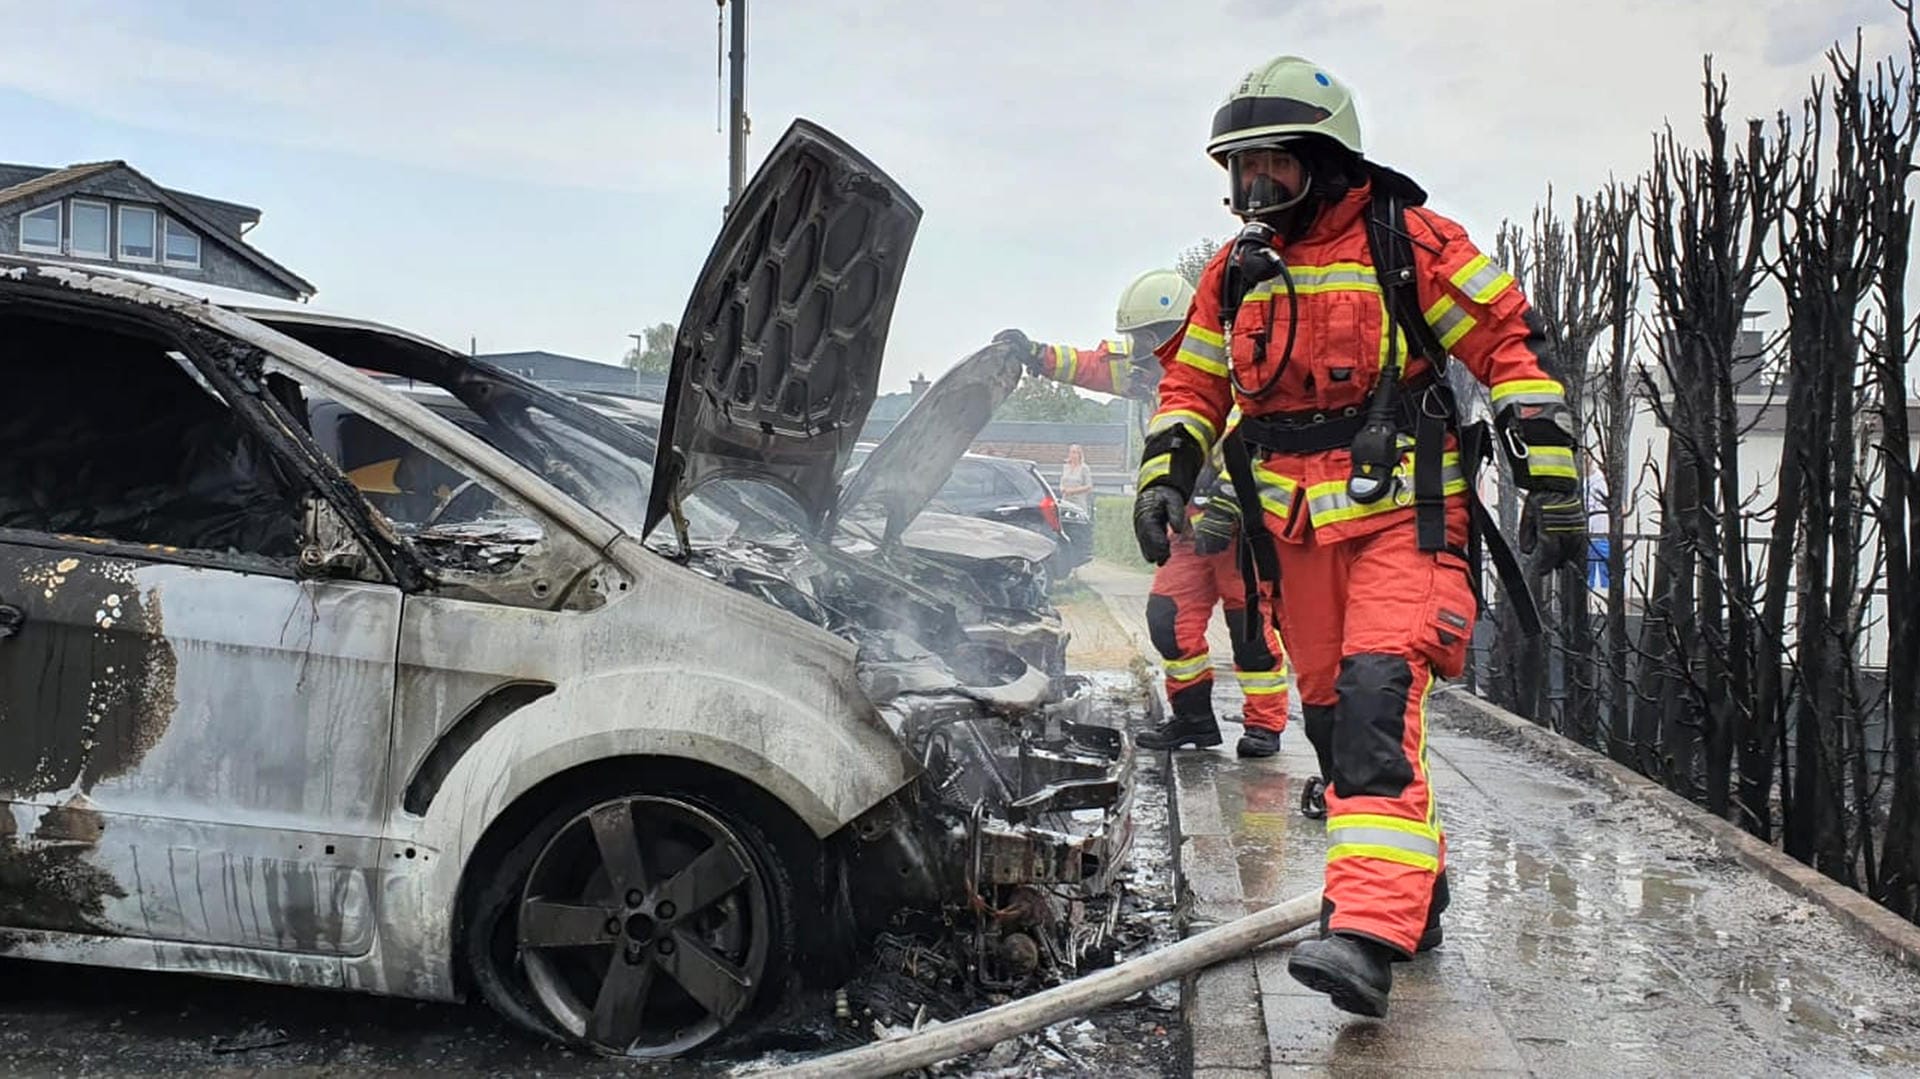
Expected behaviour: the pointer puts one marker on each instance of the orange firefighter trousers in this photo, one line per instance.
(1179, 606)
(1372, 620)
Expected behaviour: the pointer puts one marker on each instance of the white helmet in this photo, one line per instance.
(1153, 297)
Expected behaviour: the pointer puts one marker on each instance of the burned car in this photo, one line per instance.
(305, 681)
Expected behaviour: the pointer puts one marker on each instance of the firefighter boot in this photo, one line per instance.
(1200, 732)
(1357, 973)
(1313, 799)
(1258, 742)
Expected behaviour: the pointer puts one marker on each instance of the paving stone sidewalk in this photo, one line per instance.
(1589, 934)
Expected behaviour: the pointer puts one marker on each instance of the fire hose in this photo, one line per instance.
(1078, 997)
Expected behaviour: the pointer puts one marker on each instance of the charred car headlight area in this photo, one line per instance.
(1013, 840)
(1009, 847)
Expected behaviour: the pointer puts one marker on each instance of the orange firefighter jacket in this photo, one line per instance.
(1339, 351)
(1105, 368)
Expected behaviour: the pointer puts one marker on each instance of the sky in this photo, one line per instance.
(552, 175)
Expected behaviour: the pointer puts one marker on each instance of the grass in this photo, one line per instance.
(1113, 532)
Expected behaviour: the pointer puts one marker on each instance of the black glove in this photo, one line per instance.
(1156, 509)
(1022, 344)
(1539, 443)
(1555, 524)
(1214, 531)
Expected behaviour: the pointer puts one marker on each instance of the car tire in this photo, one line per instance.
(735, 950)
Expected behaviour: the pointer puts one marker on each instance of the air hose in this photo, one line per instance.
(1078, 997)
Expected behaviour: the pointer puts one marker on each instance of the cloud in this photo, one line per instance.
(1056, 148)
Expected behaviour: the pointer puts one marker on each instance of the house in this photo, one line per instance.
(1761, 407)
(573, 373)
(109, 213)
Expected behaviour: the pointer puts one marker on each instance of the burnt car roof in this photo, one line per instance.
(779, 350)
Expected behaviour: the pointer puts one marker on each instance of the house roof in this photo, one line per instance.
(220, 220)
(553, 363)
(53, 179)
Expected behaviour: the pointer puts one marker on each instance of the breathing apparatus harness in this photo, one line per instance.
(1423, 407)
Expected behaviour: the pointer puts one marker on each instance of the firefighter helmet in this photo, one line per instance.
(1283, 99)
(1154, 296)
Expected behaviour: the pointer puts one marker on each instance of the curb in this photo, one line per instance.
(1878, 926)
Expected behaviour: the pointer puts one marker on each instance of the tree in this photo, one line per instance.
(655, 354)
(1194, 259)
(1572, 274)
(1893, 135)
(1043, 400)
(1706, 217)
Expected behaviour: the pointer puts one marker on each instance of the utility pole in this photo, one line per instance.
(737, 122)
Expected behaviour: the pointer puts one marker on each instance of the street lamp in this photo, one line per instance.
(737, 99)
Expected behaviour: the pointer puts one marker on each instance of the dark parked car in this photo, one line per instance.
(1013, 492)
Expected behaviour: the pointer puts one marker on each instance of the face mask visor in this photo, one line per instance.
(1263, 179)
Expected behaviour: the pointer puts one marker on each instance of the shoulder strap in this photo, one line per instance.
(1392, 250)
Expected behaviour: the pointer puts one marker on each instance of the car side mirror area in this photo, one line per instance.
(328, 547)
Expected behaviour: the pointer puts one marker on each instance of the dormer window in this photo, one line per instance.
(40, 230)
(182, 245)
(89, 231)
(139, 234)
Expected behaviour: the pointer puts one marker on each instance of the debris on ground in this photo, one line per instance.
(258, 1036)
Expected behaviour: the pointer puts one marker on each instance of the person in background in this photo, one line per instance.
(1599, 526)
(1076, 479)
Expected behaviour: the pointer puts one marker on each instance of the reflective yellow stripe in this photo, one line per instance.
(1066, 363)
(1153, 468)
(1428, 862)
(1481, 280)
(1528, 391)
(1200, 362)
(1189, 668)
(1201, 428)
(1277, 492)
(1262, 683)
(1328, 503)
(1203, 350)
(1313, 280)
(1426, 772)
(1449, 320)
(1120, 346)
(1347, 821)
(1197, 332)
(1551, 461)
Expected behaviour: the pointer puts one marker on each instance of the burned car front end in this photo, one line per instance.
(399, 678)
(1008, 843)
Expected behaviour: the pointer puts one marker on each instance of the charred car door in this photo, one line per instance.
(193, 730)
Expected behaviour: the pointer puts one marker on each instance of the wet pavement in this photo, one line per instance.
(1590, 934)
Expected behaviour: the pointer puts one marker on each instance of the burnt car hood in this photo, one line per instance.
(907, 469)
(779, 350)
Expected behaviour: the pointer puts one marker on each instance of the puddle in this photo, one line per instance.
(1620, 914)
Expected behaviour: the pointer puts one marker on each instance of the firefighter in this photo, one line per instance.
(1202, 570)
(1151, 310)
(1190, 583)
(1327, 322)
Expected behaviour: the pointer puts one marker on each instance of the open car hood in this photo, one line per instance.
(909, 466)
(779, 350)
